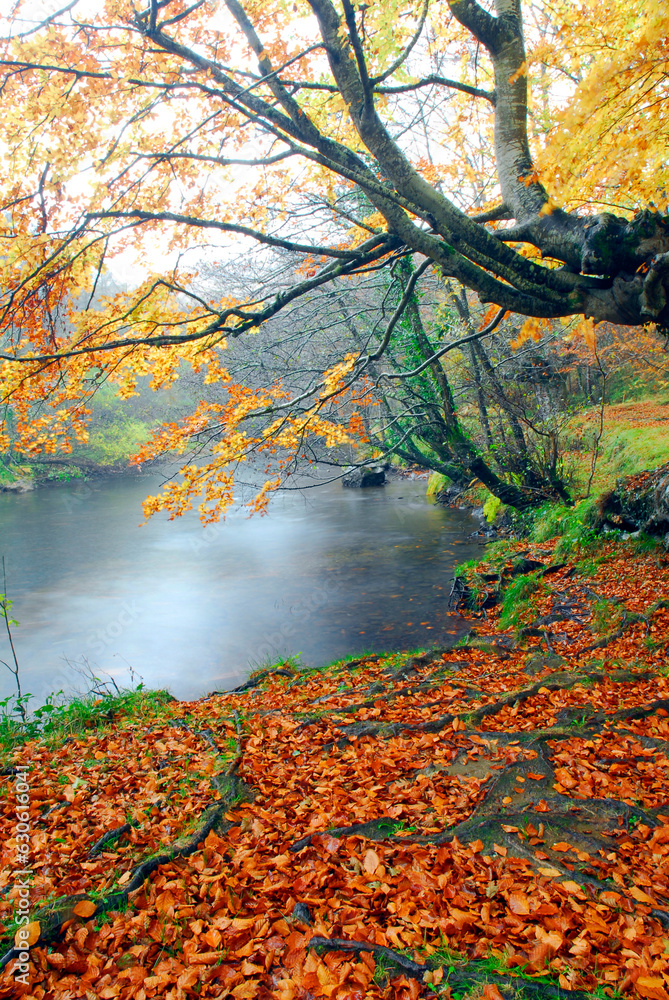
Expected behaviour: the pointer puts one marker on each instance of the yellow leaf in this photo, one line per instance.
(521, 71)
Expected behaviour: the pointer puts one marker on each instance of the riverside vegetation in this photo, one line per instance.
(486, 819)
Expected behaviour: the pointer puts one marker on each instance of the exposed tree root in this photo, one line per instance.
(108, 838)
(53, 917)
(459, 975)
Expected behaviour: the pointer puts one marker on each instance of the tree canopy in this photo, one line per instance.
(525, 164)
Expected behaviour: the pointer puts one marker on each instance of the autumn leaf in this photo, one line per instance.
(641, 896)
(572, 887)
(519, 903)
(491, 992)
(652, 987)
(371, 861)
(28, 934)
(86, 908)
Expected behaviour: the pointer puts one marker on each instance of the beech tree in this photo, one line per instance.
(140, 132)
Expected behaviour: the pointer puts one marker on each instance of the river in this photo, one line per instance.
(327, 573)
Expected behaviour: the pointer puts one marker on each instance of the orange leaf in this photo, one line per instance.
(490, 992)
(371, 862)
(553, 939)
(477, 846)
(27, 935)
(519, 903)
(542, 806)
(86, 908)
(572, 887)
(652, 987)
(565, 778)
(562, 846)
(641, 896)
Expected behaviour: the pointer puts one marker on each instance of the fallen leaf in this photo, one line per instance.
(519, 903)
(610, 898)
(86, 908)
(490, 992)
(641, 896)
(572, 887)
(652, 987)
(371, 862)
(27, 935)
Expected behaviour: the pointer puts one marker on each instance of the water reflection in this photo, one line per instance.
(328, 572)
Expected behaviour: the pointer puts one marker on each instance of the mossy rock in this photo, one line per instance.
(639, 502)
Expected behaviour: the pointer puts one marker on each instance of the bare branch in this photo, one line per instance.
(408, 292)
(189, 220)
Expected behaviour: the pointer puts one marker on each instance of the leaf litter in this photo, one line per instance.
(448, 823)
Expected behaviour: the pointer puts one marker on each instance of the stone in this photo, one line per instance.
(639, 503)
(362, 477)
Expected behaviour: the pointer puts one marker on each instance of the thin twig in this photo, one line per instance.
(5, 605)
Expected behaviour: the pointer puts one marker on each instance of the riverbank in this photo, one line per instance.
(18, 477)
(486, 819)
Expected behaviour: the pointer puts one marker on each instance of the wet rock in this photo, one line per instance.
(360, 478)
(449, 495)
(302, 914)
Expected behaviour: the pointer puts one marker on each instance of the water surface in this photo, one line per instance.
(328, 572)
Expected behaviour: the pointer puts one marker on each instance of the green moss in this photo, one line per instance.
(436, 483)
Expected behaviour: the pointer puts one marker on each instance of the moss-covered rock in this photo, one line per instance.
(639, 502)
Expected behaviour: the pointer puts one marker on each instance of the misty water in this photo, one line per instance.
(329, 572)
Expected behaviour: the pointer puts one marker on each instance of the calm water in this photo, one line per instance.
(328, 572)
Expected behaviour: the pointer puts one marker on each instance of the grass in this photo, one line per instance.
(519, 601)
(55, 722)
(635, 437)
